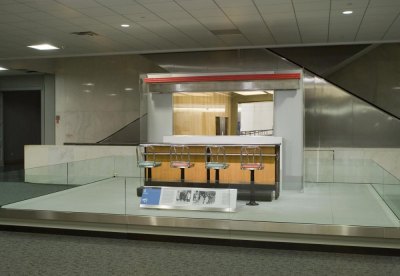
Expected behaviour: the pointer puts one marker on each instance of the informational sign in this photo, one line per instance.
(222, 200)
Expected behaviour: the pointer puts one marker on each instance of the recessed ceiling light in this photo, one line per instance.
(112, 94)
(396, 88)
(250, 93)
(125, 25)
(347, 12)
(128, 89)
(44, 47)
(2, 68)
(88, 84)
(86, 91)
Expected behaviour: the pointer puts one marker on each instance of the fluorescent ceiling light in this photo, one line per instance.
(44, 47)
(396, 88)
(250, 93)
(125, 25)
(128, 89)
(88, 84)
(2, 68)
(347, 12)
(199, 109)
(112, 94)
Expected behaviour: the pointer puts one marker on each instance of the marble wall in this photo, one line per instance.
(97, 96)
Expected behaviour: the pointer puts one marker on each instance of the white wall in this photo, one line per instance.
(160, 116)
(256, 116)
(288, 123)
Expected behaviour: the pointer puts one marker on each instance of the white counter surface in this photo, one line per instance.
(223, 140)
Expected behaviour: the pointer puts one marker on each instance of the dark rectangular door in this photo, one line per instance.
(22, 124)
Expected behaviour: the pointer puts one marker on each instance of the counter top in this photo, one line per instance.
(223, 140)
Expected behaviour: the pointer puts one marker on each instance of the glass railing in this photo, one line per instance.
(323, 167)
(109, 185)
(36, 182)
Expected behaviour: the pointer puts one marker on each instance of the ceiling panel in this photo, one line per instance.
(142, 17)
(162, 7)
(274, 9)
(128, 8)
(97, 11)
(311, 6)
(235, 39)
(383, 3)
(234, 3)
(349, 4)
(217, 23)
(181, 15)
(196, 4)
(186, 24)
(10, 18)
(7, 8)
(240, 11)
(64, 13)
(198, 13)
(79, 3)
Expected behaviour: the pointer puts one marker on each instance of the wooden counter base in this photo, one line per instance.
(266, 179)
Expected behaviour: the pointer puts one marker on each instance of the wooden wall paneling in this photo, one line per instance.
(233, 174)
(197, 121)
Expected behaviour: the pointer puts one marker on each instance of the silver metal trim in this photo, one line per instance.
(204, 223)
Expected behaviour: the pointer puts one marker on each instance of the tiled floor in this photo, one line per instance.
(319, 203)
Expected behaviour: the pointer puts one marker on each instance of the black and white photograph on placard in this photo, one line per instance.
(183, 196)
(204, 197)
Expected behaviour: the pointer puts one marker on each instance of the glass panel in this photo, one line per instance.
(391, 193)
(318, 165)
(87, 186)
(357, 171)
(22, 185)
(91, 170)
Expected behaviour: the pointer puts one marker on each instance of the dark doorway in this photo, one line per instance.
(22, 124)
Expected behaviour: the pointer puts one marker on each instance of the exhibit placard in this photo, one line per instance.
(202, 199)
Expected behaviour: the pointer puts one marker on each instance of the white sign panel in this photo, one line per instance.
(222, 200)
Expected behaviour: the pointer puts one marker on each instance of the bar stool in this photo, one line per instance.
(142, 156)
(251, 159)
(215, 160)
(179, 158)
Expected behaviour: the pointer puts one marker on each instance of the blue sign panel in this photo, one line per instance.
(151, 196)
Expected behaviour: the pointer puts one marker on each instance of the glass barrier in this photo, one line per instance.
(42, 187)
(91, 170)
(21, 185)
(360, 193)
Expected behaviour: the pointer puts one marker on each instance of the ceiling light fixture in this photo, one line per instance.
(250, 93)
(347, 12)
(44, 47)
(88, 84)
(128, 89)
(125, 25)
(396, 88)
(3, 69)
